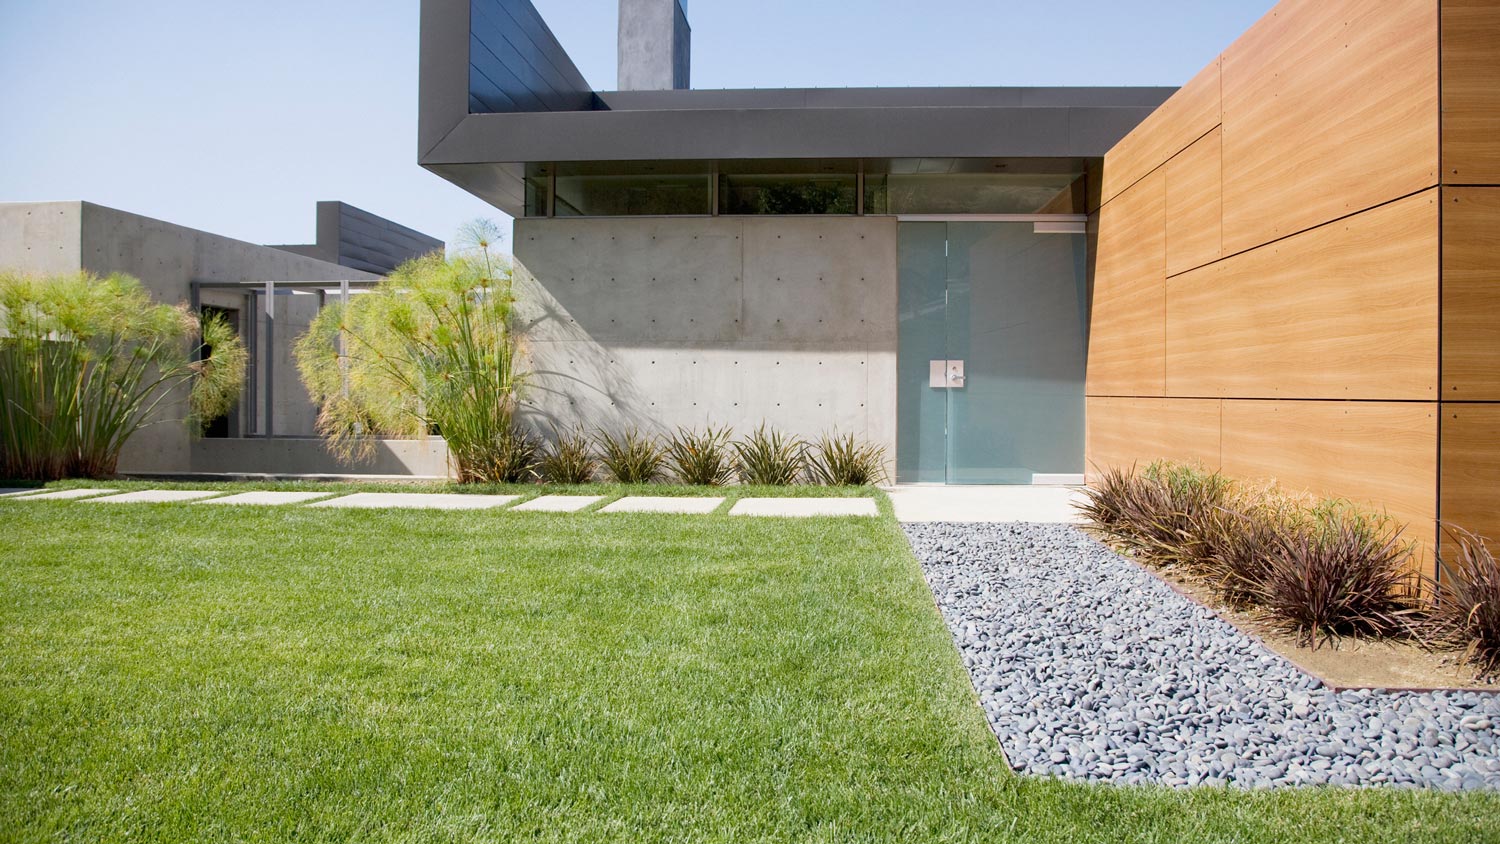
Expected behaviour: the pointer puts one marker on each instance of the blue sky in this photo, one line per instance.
(238, 117)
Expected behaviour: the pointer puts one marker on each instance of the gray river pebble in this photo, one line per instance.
(1091, 668)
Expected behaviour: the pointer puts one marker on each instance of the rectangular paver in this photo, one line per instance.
(418, 500)
(559, 503)
(661, 504)
(266, 497)
(158, 496)
(65, 494)
(803, 507)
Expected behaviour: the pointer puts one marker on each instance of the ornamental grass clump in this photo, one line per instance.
(1464, 609)
(1341, 572)
(86, 362)
(1242, 537)
(631, 457)
(1158, 512)
(769, 457)
(515, 458)
(841, 460)
(569, 459)
(1103, 504)
(431, 348)
(1318, 570)
(701, 457)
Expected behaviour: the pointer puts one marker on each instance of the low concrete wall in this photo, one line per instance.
(295, 456)
(659, 323)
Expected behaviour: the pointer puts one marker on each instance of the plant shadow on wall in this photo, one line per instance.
(432, 349)
(586, 377)
(86, 362)
(1317, 568)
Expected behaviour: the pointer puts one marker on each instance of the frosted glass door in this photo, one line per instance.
(1004, 309)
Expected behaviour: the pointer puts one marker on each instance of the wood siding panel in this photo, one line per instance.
(1128, 319)
(1126, 431)
(1195, 206)
(1471, 468)
(1329, 107)
(1380, 454)
(1185, 117)
(1348, 310)
(1471, 95)
(1471, 294)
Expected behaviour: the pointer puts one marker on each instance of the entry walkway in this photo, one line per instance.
(1046, 504)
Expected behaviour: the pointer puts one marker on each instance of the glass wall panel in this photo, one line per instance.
(980, 193)
(789, 186)
(1017, 303)
(787, 194)
(922, 332)
(613, 195)
(537, 188)
(1004, 306)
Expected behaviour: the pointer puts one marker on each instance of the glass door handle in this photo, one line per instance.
(945, 374)
(955, 373)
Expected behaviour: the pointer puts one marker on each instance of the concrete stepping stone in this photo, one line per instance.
(804, 507)
(661, 504)
(11, 493)
(558, 503)
(157, 496)
(418, 500)
(266, 497)
(65, 494)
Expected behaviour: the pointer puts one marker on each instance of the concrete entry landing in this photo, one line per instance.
(918, 503)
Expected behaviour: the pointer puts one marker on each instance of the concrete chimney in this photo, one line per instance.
(654, 45)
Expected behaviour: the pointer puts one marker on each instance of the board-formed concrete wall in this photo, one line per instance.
(658, 323)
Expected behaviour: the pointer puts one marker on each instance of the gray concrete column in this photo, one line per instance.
(655, 43)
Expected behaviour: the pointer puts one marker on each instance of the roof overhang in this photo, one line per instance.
(487, 153)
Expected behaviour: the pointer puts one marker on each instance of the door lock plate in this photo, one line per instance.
(945, 374)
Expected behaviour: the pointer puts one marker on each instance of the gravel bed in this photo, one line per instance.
(1090, 668)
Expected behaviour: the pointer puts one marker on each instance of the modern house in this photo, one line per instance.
(1284, 269)
(269, 293)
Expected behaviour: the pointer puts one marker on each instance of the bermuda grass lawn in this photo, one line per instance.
(195, 673)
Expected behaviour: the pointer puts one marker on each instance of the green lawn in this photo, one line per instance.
(195, 673)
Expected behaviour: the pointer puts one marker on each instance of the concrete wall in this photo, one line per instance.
(60, 237)
(659, 323)
(425, 458)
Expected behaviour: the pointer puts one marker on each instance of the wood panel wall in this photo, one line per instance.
(1327, 292)
(1471, 97)
(1470, 449)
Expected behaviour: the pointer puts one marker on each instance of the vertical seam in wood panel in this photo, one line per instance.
(1221, 434)
(1437, 504)
(1220, 251)
(1164, 392)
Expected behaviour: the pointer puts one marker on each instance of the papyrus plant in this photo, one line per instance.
(86, 362)
(431, 349)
